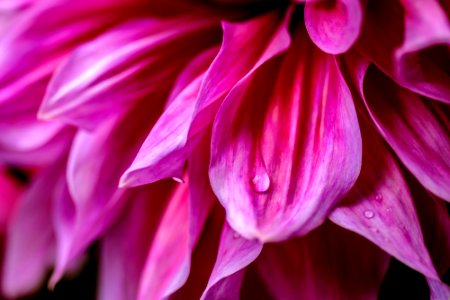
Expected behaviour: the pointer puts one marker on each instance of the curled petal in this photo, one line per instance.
(235, 253)
(416, 128)
(124, 64)
(238, 57)
(285, 152)
(423, 60)
(164, 152)
(334, 25)
(380, 207)
(330, 263)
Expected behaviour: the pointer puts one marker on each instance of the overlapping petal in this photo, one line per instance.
(293, 149)
(330, 263)
(124, 248)
(30, 240)
(380, 207)
(164, 152)
(134, 60)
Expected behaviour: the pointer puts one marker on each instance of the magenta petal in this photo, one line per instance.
(125, 246)
(93, 174)
(126, 63)
(438, 290)
(422, 61)
(238, 57)
(380, 207)
(163, 153)
(30, 238)
(235, 253)
(167, 265)
(292, 149)
(41, 37)
(330, 263)
(333, 25)
(10, 191)
(416, 128)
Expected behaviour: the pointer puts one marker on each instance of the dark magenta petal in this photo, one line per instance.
(329, 263)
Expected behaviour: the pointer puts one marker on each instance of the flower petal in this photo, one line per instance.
(125, 246)
(30, 237)
(416, 128)
(438, 290)
(381, 209)
(164, 152)
(133, 60)
(235, 253)
(285, 152)
(423, 60)
(330, 263)
(41, 38)
(334, 25)
(96, 161)
(238, 57)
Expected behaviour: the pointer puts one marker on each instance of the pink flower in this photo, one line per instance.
(227, 149)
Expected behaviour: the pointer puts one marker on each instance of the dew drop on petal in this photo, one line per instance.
(378, 197)
(261, 182)
(177, 179)
(369, 214)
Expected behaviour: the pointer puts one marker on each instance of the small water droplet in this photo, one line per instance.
(178, 179)
(261, 182)
(369, 214)
(236, 235)
(378, 197)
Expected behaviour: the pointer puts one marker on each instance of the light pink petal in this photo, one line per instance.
(125, 246)
(330, 263)
(286, 147)
(438, 290)
(423, 60)
(334, 25)
(235, 253)
(33, 144)
(129, 62)
(163, 153)
(380, 207)
(30, 243)
(416, 128)
(39, 38)
(169, 262)
(246, 46)
(96, 161)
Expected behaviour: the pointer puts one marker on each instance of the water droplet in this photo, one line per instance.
(178, 179)
(378, 197)
(236, 235)
(369, 214)
(261, 182)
